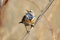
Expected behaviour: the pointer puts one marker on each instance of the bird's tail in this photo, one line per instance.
(21, 22)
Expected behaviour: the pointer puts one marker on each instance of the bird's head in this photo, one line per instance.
(31, 12)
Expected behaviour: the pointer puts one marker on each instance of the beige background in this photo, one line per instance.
(48, 27)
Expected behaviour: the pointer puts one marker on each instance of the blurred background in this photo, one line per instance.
(12, 11)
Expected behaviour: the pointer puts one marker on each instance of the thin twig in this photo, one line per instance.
(43, 12)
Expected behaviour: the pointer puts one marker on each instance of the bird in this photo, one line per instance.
(28, 19)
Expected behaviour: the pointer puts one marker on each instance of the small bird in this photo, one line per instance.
(28, 19)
